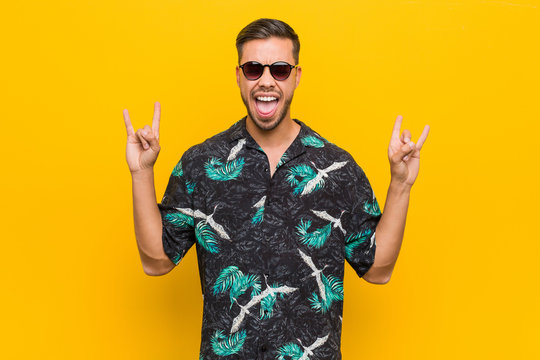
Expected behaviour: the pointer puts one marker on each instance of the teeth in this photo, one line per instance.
(266, 98)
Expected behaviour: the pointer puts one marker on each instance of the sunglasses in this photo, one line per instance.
(279, 70)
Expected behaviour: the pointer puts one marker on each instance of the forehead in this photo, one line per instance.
(268, 51)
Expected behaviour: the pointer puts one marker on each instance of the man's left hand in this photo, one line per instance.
(404, 154)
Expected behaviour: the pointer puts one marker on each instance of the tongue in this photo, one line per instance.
(266, 107)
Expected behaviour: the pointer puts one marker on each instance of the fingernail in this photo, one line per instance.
(407, 139)
(406, 157)
(145, 132)
(411, 144)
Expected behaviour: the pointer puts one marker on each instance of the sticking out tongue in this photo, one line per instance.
(266, 107)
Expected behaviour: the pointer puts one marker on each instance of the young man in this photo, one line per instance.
(274, 209)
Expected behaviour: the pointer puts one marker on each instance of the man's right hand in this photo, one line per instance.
(142, 146)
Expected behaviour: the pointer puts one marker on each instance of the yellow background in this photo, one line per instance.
(466, 282)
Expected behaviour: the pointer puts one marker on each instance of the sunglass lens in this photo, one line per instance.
(253, 70)
(280, 71)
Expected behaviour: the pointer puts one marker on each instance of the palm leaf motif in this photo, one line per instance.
(354, 240)
(333, 292)
(216, 170)
(312, 141)
(258, 217)
(190, 186)
(267, 303)
(290, 351)
(305, 173)
(180, 220)
(282, 160)
(372, 207)
(178, 171)
(314, 239)
(205, 237)
(233, 279)
(227, 345)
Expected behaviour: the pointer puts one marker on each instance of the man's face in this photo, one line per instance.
(266, 115)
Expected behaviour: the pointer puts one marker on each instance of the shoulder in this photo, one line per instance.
(216, 145)
(327, 151)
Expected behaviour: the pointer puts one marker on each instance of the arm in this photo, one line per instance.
(389, 234)
(148, 225)
(404, 157)
(141, 153)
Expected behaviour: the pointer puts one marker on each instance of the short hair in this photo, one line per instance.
(264, 28)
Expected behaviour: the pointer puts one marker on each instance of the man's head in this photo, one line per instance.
(268, 41)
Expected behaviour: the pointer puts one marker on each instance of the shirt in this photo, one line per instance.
(270, 249)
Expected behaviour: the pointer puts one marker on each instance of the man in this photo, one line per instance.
(274, 210)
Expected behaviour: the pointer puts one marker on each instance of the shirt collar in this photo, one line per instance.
(239, 131)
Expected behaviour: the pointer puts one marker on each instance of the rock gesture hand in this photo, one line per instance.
(404, 154)
(142, 146)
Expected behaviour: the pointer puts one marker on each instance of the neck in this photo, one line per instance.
(281, 135)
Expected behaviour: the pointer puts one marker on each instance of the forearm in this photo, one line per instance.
(147, 221)
(389, 232)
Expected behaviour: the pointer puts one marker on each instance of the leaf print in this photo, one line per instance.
(244, 309)
(314, 239)
(190, 186)
(293, 351)
(312, 141)
(330, 288)
(216, 170)
(258, 217)
(282, 160)
(226, 279)
(178, 171)
(290, 351)
(302, 171)
(354, 240)
(205, 237)
(267, 303)
(227, 345)
(372, 207)
(180, 220)
(233, 279)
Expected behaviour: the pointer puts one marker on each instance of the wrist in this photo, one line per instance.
(142, 174)
(399, 187)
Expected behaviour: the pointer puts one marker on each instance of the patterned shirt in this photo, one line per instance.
(270, 249)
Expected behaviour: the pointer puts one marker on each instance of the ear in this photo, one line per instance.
(298, 75)
(238, 75)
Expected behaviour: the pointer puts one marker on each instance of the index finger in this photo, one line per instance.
(422, 137)
(127, 121)
(397, 127)
(155, 121)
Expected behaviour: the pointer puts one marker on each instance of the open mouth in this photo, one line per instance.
(266, 105)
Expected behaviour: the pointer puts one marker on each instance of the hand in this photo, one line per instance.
(142, 146)
(404, 155)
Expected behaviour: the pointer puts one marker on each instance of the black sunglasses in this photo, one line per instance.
(279, 70)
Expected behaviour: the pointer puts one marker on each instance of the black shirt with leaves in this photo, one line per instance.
(271, 250)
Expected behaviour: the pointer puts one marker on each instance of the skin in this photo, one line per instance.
(274, 135)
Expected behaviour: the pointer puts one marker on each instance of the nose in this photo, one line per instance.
(266, 79)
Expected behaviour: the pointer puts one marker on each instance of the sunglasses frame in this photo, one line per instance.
(269, 67)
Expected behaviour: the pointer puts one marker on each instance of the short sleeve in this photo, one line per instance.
(176, 213)
(360, 222)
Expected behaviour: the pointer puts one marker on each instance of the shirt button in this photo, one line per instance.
(263, 348)
(265, 169)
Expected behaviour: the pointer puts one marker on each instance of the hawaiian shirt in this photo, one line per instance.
(271, 249)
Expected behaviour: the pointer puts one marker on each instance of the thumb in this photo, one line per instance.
(404, 152)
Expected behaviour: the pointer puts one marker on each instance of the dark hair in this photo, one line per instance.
(265, 28)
